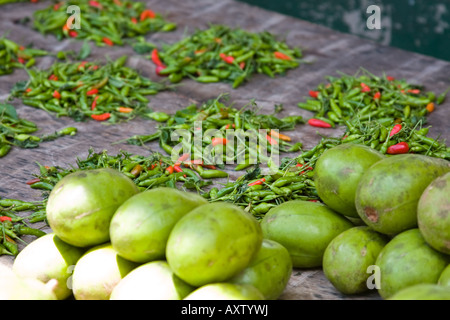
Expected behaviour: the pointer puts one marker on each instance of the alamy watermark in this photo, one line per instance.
(374, 20)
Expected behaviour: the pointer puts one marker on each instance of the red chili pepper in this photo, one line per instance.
(177, 168)
(146, 14)
(56, 95)
(217, 141)
(56, 6)
(94, 103)
(101, 117)
(414, 91)
(95, 4)
(158, 69)
(271, 140)
(134, 20)
(377, 96)
(5, 218)
(209, 166)
(53, 77)
(307, 168)
(182, 158)
(155, 58)
(21, 60)
(242, 65)
(318, 123)
(227, 59)
(314, 94)
(399, 148)
(81, 65)
(389, 78)
(92, 92)
(395, 129)
(108, 41)
(169, 169)
(257, 182)
(281, 55)
(364, 87)
(33, 181)
(28, 89)
(73, 33)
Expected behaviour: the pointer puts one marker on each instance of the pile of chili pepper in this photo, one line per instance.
(257, 193)
(221, 118)
(13, 226)
(16, 131)
(106, 22)
(13, 55)
(365, 96)
(146, 172)
(224, 54)
(82, 90)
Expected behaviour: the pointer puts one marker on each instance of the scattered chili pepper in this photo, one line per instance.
(101, 117)
(396, 129)
(399, 148)
(5, 218)
(318, 123)
(430, 107)
(282, 56)
(313, 94)
(108, 41)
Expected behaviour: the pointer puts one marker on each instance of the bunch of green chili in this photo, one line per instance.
(16, 131)
(13, 55)
(82, 90)
(106, 22)
(364, 96)
(221, 53)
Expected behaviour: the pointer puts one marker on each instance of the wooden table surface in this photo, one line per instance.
(326, 50)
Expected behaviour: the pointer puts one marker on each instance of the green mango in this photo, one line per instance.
(269, 271)
(141, 225)
(213, 243)
(46, 258)
(408, 260)
(81, 205)
(424, 291)
(151, 281)
(433, 214)
(337, 173)
(388, 193)
(444, 278)
(305, 229)
(349, 255)
(225, 291)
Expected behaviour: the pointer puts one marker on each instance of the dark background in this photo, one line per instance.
(421, 26)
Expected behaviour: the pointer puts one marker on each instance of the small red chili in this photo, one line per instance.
(414, 91)
(5, 218)
(177, 169)
(227, 59)
(101, 117)
(33, 181)
(364, 87)
(395, 129)
(108, 41)
(271, 140)
(94, 103)
(92, 92)
(146, 14)
(155, 58)
(257, 182)
(399, 148)
(318, 123)
(389, 78)
(169, 169)
(377, 96)
(217, 141)
(95, 4)
(313, 93)
(281, 55)
(73, 33)
(56, 95)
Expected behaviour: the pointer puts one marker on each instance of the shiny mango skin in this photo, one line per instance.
(388, 193)
(424, 291)
(81, 205)
(213, 243)
(141, 226)
(348, 256)
(225, 291)
(269, 271)
(433, 214)
(337, 173)
(408, 260)
(305, 229)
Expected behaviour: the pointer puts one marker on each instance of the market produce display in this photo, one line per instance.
(106, 22)
(224, 54)
(109, 92)
(368, 207)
